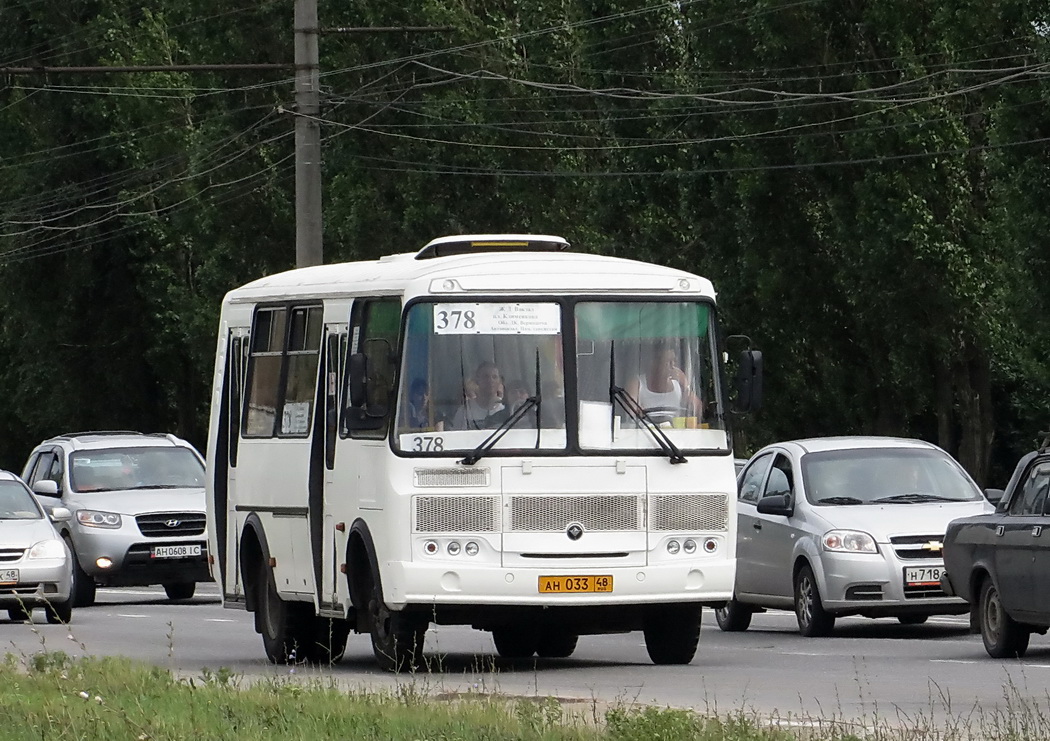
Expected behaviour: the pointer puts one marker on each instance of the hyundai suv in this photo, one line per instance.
(138, 509)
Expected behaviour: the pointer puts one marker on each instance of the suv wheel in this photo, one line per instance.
(83, 583)
(180, 590)
(813, 619)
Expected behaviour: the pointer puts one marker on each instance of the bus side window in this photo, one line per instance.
(374, 340)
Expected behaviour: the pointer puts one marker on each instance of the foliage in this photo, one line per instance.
(866, 185)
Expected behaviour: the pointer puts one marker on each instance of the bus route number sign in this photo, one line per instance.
(497, 318)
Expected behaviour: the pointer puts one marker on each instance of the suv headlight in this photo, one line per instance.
(94, 518)
(48, 549)
(849, 541)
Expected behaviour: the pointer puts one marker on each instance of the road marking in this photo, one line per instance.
(954, 661)
(128, 615)
(219, 620)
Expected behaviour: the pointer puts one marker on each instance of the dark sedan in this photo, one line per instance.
(1000, 562)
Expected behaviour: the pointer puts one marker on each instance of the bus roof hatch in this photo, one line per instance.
(478, 243)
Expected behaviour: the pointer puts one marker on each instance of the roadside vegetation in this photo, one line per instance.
(50, 695)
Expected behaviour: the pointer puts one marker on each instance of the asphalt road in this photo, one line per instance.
(869, 669)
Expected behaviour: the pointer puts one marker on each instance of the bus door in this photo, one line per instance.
(330, 542)
(228, 528)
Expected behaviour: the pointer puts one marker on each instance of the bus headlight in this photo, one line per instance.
(453, 548)
(689, 546)
(471, 548)
(673, 546)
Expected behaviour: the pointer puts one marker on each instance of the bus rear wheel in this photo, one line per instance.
(285, 626)
(672, 634)
(556, 644)
(397, 639)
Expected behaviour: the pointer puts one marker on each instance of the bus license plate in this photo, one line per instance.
(915, 576)
(175, 551)
(575, 584)
(9, 576)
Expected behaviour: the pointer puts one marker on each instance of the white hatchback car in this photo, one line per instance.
(847, 526)
(36, 568)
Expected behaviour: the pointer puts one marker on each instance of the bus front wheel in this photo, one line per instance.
(397, 639)
(672, 634)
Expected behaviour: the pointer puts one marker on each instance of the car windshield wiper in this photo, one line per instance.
(839, 500)
(475, 455)
(639, 415)
(915, 498)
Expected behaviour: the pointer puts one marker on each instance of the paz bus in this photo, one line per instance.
(459, 435)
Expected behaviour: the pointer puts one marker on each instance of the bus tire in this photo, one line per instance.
(328, 642)
(556, 644)
(397, 639)
(672, 634)
(515, 642)
(283, 625)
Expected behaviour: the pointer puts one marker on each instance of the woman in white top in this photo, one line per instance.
(663, 390)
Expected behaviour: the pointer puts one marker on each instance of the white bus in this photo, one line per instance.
(493, 431)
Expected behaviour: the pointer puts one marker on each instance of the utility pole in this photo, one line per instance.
(309, 249)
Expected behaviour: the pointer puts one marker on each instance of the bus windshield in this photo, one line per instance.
(647, 374)
(470, 369)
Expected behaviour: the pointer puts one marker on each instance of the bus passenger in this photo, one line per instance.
(420, 415)
(474, 413)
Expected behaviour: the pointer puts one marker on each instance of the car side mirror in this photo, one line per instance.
(60, 514)
(46, 488)
(994, 495)
(776, 504)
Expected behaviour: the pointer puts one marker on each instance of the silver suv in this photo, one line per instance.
(138, 509)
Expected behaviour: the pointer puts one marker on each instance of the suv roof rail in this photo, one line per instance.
(88, 433)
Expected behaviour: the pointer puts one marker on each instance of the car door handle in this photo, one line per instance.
(999, 530)
(1037, 530)
(757, 525)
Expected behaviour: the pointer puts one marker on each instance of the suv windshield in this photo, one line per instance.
(470, 367)
(116, 469)
(16, 503)
(885, 476)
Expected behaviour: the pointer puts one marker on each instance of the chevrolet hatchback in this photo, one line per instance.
(839, 526)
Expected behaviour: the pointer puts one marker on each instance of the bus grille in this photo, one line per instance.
(594, 512)
(457, 514)
(429, 477)
(688, 512)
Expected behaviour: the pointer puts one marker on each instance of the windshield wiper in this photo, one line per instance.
(475, 455)
(915, 498)
(639, 415)
(839, 500)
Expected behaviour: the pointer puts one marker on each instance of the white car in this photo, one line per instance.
(36, 569)
(847, 526)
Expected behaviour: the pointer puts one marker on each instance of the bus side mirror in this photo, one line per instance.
(749, 381)
(357, 373)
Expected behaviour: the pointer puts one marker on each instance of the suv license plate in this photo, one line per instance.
(915, 576)
(9, 576)
(575, 584)
(174, 551)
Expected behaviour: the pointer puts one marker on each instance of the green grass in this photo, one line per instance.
(48, 695)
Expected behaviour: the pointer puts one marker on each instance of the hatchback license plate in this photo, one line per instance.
(915, 576)
(9, 576)
(175, 551)
(575, 584)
